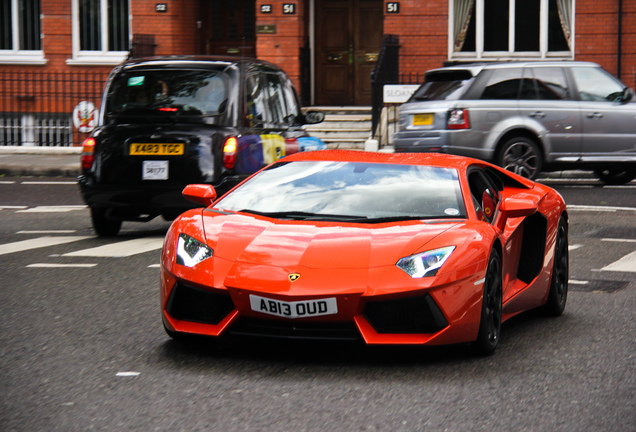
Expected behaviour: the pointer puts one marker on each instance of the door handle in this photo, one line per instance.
(537, 114)
(334, 57)
(596, 115)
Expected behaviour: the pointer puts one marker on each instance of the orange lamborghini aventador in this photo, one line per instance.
(385, 248)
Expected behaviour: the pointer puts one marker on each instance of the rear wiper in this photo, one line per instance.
(300, 215)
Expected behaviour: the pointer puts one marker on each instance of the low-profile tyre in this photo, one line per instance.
(103, 226)
(616, 176)
(522, 156)
(560, 273)
(491, 308)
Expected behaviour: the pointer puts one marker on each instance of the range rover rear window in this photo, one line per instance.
(442, 85)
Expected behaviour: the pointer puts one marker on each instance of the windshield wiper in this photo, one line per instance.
(300, 215)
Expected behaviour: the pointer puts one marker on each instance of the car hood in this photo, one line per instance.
(319, 245)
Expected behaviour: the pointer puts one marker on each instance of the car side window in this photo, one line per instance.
(485, 195)
(594, 84)
(545, 83)
(293, 110)
(255, 111)
(276, 98)
(503, 84)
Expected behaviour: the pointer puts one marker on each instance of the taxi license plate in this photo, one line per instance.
(422, 119)
(297, 309)
(156, 149)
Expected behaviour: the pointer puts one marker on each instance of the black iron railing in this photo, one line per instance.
(48, 108)
(386, 71)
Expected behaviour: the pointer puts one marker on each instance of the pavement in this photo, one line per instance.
(18, 161)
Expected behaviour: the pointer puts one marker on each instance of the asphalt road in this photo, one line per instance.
(82, 346)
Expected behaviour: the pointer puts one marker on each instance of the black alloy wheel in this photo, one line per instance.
(521, 156)
(560, 272)
(103, 226)
(616, 176)
(491, 308)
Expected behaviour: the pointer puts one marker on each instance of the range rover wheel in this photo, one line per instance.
(521, 156)
(616, 176)
(103, 226)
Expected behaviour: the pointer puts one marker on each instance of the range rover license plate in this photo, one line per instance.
(156, 149)
(297, 309)
(422, 119)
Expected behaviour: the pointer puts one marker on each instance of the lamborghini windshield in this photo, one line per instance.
(168, 92)
(349, 191)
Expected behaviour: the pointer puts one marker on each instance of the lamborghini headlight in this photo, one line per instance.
(191, 251)
(425, 263)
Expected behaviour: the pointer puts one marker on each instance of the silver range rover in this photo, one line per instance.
(526, 116)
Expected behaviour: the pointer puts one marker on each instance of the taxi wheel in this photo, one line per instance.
(103, 226)
(491, 308)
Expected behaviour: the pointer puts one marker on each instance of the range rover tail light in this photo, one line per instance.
(458, 119)
(88, 153)
(229, 152)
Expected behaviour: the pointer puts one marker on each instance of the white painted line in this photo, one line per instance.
(48, 182)
(625, 264)
(48, 265)
(618, 240)
(599, 208)
(127, 374)
(8, 207)
(53, 209)
(47, 232)
(574, 247)
(121, 249)
(7, 182)
(39, 242)
(578, 282)
(154, 266)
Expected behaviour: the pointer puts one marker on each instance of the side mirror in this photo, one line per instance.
(313, 117)
(200, 193)
(628, 94)
(516, 206)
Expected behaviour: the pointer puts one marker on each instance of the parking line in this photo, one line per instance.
(121, 249)
(625, 264)
(39, 242)
(52, 265)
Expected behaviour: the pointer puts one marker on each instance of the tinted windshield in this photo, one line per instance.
(364, 192)
(444, 85)
(176, 92)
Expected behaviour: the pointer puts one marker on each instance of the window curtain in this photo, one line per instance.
(565, 17)
(463, 12)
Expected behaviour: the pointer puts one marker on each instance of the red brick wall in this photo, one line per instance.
(283, 47)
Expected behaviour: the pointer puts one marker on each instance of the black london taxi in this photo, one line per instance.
(167, 122)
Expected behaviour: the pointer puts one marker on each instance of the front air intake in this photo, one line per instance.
(188, 303)
(405, 315)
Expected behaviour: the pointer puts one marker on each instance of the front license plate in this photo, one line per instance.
(297, 309)
(155, 170)
(156, 149)
(422, 119)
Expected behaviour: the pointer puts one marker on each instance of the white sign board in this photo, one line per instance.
(85, 116)
(398, 93)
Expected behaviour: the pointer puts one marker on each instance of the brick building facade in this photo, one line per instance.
(328, 47)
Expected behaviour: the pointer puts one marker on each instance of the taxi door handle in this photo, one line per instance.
(537, 114)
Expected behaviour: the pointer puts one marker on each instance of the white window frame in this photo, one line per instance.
(96, 58)
(480, 54)
(16, 55)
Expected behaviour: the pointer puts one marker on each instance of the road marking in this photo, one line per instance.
(47, 232)
(48, 182)
(39, 242)
(53, 209)
(127, 374)
(618, 240)
(121, 249)
(154, 266)
(8, 207)
(7, 182)
(49, 265)
(578, 282)
(574, 247)
(625, 264)
(599, 208)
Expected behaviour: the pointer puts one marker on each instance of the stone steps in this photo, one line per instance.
(343, 127)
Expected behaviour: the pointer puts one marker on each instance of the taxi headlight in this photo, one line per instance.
(425, 263)
(191, 251)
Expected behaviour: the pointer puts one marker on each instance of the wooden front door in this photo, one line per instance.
(228, 27)
(348, 40)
